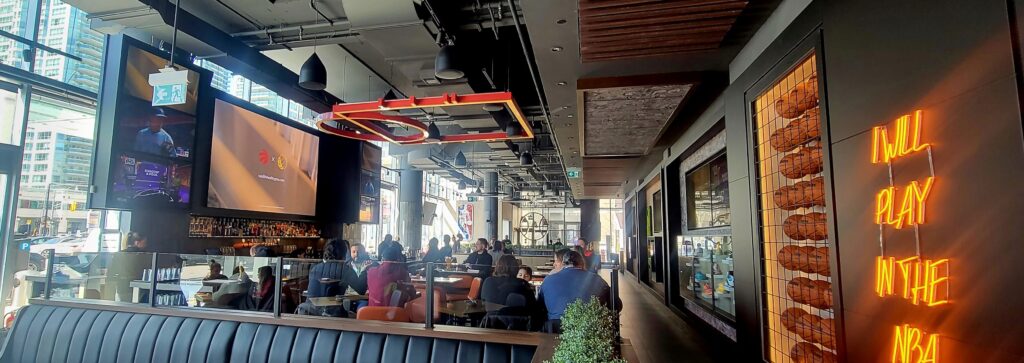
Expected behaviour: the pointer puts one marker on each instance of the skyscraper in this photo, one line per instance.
(61, 26)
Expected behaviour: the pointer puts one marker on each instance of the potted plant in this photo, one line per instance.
(588, 335)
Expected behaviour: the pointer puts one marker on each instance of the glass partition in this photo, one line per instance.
(107, 276)
(208, 281)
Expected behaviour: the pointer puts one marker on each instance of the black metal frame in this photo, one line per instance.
(811, 44)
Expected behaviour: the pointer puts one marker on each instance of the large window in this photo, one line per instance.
(707, 188)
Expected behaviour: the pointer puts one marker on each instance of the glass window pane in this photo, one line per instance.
(66, 28)
(10, 116)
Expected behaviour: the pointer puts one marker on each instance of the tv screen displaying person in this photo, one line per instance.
(154, 139)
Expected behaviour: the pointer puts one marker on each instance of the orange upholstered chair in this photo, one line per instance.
(382, 313)
(417, 309)
(472, 294)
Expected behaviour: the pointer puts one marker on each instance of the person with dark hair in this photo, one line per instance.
(556, 264)
(525, 273)
(446, 251)
(385, 278)
(127, 266)
(480, 259)
(326, 277)
(387, 243)
(570, 284)
(591, 257)
(215, 272)
(457, 243)
(265, 294)
(497, 250)
(434, 254)
(497, 289)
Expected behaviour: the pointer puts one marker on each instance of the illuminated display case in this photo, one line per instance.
(798, 306)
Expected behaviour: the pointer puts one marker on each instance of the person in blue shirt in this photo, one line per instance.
(153, 139)
(572, 283)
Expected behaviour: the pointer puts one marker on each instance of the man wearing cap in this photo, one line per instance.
(154, 139)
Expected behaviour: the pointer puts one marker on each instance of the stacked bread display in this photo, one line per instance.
(801, 188)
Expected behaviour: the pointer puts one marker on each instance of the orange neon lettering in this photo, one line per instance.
(884, 268)
(906, 141)
(907, 346)
(908, 267)
(912, 204)
(932, 269)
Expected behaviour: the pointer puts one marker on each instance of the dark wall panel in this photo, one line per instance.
(953, 60)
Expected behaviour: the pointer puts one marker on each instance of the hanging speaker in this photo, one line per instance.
(313, 74)
(446, 64)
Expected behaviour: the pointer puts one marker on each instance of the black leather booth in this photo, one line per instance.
(48, 333)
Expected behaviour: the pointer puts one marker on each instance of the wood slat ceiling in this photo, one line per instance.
(621, 29)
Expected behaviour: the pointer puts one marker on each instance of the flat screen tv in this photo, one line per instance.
(152, 149)
(261, 165)
(369, 184)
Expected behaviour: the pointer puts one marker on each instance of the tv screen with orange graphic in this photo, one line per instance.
(258, 164)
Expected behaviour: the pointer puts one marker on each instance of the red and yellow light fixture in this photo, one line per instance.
(365, 118)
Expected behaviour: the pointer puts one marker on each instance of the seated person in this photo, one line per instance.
(592, 258)
(265, 294)
(327, 277)
(447, 249)
(382, 280)
(434, 254)
(480, 259)
(496, 289)
(572, 283)
(355, 269)
(525, 273)
(215, 272)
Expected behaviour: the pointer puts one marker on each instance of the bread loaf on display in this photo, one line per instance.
(810, 327)
(797, 132)
(805, 258)
(801, 195)
(816, 293)
(807, 161)
(812, 226)
(802, 97)
(804, 352)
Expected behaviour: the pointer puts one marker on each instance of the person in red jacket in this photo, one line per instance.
(379, 279)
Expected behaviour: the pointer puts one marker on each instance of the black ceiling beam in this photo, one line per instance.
(245, 60)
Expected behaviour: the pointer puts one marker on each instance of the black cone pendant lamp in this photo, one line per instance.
(446, 64)
(460, 159)
(313, 75)
(513, 129)
(433, 134)
(526, 159)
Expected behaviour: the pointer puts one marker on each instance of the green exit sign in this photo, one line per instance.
(574, 173)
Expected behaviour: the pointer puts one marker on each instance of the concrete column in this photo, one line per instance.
(590, 220)
(491, 206)
(410, 204)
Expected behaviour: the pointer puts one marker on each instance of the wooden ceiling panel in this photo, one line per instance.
(621, 29)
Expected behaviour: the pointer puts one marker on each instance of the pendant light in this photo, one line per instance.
(313, 74)
(446, 64)
(513, 129)
(460, 159)
(525, 159)
(434, 135)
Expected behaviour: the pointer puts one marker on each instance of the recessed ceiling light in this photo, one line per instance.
(562, 83)
(569, 116)
(556, 49)
(560, 21)
(565, 107)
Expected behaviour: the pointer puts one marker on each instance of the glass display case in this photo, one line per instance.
(706, 271)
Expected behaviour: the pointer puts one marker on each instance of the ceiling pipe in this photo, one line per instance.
(291, 28)
(536, 82)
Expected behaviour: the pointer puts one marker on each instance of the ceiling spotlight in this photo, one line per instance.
(433, 133)
(526, 159)
(313, 74)
(561, 83)
(560, 21)
(556, 49)
(446, 65)
(513, 129)
(460, 159)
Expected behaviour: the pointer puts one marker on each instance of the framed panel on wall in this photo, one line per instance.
(800, 313)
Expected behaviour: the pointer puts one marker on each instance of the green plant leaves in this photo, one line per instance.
(588, 334)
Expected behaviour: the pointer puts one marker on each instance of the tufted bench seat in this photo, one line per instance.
(60, 331)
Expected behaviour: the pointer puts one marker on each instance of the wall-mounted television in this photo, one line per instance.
(144, 155)
(261, 165)
(369, 183)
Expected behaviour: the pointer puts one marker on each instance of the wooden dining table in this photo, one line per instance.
(437, 280)
(468, 309)
(336, 300)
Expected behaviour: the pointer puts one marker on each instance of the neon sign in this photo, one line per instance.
(911, 207)
(915, 279)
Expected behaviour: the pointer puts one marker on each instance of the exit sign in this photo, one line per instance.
(574, 173)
